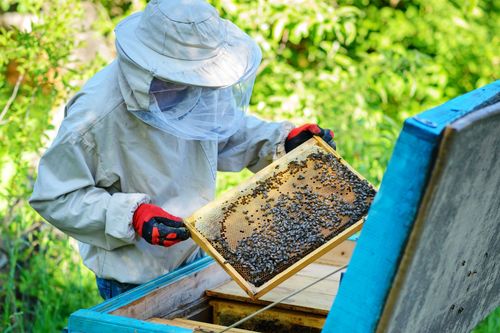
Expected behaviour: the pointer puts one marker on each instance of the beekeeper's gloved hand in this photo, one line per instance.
(301, 134)
(158, 227)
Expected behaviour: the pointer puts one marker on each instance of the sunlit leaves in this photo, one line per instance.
(35, 76)
(359, 67)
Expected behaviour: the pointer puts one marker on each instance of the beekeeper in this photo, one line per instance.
(142, 141)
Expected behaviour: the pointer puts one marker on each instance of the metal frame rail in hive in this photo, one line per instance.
(368, 281)
(257, 292)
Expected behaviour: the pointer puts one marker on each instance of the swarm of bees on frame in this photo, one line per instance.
(287, 215)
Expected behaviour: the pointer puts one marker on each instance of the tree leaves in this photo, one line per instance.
(358, 67)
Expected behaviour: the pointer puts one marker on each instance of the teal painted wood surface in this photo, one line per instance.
(366, 284)
(449, 277)
(88, 321)
(97, 319)
(429, 124)
(136, 293)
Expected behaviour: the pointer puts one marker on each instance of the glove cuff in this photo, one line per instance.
(310, 128)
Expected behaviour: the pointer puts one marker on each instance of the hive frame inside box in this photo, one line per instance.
(257, 292)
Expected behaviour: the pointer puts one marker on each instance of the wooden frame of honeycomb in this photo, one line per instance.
(284, 217)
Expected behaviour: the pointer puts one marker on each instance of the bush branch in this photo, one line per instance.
(12, 97)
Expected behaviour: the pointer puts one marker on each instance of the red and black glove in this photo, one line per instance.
(158, 227)
(301, 134)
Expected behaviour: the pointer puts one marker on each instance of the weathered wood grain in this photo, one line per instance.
(366, 285)
(196, 326)
(449, 277)
(175, 296)
(339, 255)
(88, 321)
(317, 299)
(227, 312)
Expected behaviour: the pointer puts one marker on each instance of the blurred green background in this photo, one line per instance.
(359, 67)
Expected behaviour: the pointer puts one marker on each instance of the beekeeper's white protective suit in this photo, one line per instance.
(117, 147)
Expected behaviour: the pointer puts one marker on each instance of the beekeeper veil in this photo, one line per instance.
(186, 71)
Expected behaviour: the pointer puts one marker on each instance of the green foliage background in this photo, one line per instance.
(359, 67)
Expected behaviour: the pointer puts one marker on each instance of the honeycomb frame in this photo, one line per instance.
(230, 219)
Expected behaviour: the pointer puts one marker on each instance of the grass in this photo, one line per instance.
(44, 283)
(490, 324)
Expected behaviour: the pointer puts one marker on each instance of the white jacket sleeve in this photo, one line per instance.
(67, 196)
(254, 146)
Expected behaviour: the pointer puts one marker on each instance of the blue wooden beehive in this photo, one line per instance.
(427, 259)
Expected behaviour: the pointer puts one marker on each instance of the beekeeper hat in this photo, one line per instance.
(186, 41)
